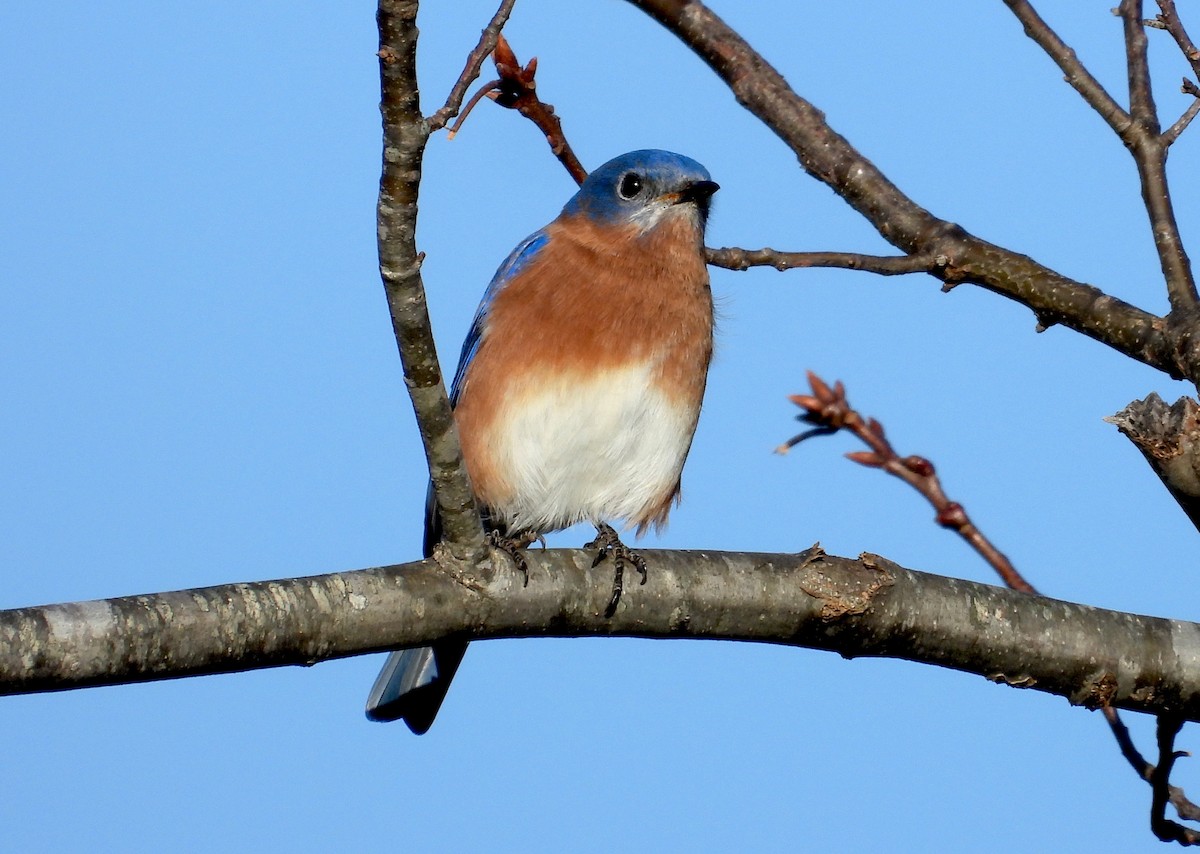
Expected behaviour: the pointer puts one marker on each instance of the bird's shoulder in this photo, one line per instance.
(524, 253)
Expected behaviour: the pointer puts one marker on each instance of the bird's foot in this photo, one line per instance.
(608, 544)
(513, 547)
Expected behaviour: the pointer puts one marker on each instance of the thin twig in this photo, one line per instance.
(830, 411)
(1177, 797)
(1170, 21)
(828, 408)
(1172, 133)
(1077, 75)
(487, 43)
(732, 258)
(1165, 829)
(517, 90)
(1148, 145)
(1139, 129)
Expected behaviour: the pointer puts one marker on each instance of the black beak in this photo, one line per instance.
(699, 192)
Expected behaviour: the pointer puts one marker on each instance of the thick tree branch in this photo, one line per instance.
(405, 133)
(828, 157)
(865, 607)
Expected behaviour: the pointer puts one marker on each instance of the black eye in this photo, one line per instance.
(630, 186)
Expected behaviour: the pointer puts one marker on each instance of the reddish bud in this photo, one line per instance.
(820, 389)
(952, 515)
(918, 466)
(870, 459)
(806, 401)
(503, 55)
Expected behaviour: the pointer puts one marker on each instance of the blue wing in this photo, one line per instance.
(520, 257)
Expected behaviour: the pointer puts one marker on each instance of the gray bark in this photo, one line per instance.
(864, 607)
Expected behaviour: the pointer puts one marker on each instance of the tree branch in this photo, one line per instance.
(1175, 795)
(830, 410)
(516, 89)
(1137, 67)
(1170, 21)
(1149, 147)
(865, 607)
(1074, 71)
(405, 133)
(827, 156)
(1169, 439)
(1160, 781)
(475, 59)
(733, 258)
(1172, 133)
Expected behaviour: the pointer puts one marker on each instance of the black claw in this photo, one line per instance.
(512, 547)
(618, 587)
(608, 544)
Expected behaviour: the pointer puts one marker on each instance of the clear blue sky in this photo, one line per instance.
(199, 385)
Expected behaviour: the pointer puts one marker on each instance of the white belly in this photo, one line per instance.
(600, 450)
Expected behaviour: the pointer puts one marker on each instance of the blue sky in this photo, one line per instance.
(200, 385)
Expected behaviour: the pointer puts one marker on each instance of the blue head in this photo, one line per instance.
(639, 187)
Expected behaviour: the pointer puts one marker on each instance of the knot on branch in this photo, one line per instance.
(850, 590)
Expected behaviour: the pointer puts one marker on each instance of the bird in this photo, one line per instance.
(579, 384)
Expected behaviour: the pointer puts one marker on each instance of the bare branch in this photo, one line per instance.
(517, 90)
(1160, 783)
(1178, 799)
(828, 409)
(1169, 439)
(865, 607)
(405, 133)
(1074, 72)
(827, 156)
(1146, 142)
(1172, 133)
(732, 258)
(1170, 21)
(487, 43)
(1141, 93)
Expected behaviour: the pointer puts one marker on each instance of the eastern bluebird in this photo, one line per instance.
(579, 384)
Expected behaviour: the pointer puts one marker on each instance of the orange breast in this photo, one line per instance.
(584, 307)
